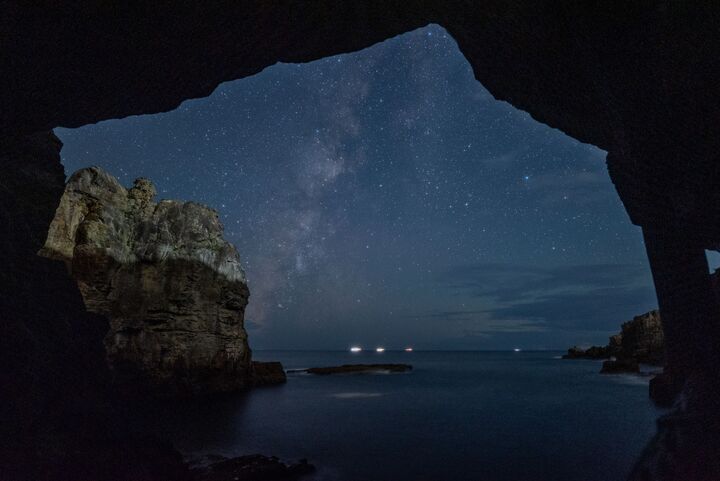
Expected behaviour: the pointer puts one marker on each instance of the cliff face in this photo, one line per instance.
(171, 286)
(641, 340)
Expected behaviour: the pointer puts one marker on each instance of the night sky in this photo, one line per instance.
(385, 198)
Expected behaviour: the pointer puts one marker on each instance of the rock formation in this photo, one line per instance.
(592, 352)
(640, 340)
(253, 467)
(172, 288)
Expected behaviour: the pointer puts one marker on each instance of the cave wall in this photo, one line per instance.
(59, 417)
(46, 333)
(639, 81)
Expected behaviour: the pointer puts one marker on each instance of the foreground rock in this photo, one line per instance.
(254, 467)
(620, 366)
(171, 286)
(640, 341)
(593, 352)
(354, 369)
(264, 373)
(686, 445)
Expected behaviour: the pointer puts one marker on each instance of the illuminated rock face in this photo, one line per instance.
(171, 286)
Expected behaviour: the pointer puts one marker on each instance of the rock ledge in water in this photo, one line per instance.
(620, 366)
(254, 467)
(354, 368)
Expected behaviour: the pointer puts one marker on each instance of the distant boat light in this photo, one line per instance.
(517, 349)
(380, 349)
(355, 349)
(408, 349)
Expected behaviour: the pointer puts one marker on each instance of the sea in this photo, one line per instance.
(460, 416)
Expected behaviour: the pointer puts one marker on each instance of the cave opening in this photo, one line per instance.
(394, 163)
(384, 198)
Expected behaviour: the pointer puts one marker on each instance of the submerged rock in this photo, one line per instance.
(254, 467)
(354, 368)
(620, 366)
(172, 288)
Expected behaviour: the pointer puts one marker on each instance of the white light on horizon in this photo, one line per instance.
(355, 349)
(517, 349)
(380, 349)
(408, 349)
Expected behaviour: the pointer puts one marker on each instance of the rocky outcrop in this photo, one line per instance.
(172, 288)
(640, 341)
(253, 467)
(592, 352)
(686, 445)
(620, 366)
(264, 373)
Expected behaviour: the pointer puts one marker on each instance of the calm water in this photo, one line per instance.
(457, 416)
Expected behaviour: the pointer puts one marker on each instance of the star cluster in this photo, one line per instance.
(384, 197)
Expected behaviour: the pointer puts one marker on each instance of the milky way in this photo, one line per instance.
(384, 197)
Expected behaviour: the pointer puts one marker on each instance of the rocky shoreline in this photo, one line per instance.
(641, 341)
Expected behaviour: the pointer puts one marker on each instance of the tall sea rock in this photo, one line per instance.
(172, 288)
(642, 339)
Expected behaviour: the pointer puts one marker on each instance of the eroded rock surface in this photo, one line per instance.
(171, 286)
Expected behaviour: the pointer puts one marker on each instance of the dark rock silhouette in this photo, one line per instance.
(254, 467)
(638, 81)
(61, 419)
(592, 352)
(620, 366)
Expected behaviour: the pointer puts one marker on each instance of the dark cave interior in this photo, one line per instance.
(639, 83)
